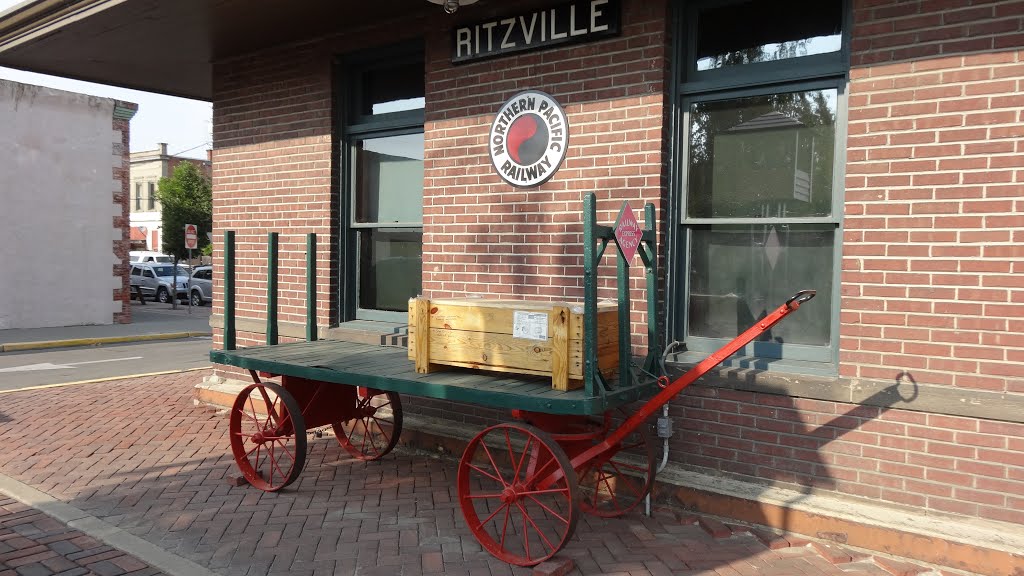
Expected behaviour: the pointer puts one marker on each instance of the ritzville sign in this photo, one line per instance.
(579, 21)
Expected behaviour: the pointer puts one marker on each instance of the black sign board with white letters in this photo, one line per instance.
(578, 21)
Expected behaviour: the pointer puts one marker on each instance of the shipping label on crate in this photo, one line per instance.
(530, 325)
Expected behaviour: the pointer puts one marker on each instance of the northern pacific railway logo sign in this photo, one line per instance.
(528, 139)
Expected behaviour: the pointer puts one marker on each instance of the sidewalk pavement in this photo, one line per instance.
(150, 321)
(136, 466)
(32, 542)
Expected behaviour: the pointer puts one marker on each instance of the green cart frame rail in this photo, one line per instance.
(332, 361)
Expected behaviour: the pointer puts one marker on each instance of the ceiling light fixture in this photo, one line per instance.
(450, 6)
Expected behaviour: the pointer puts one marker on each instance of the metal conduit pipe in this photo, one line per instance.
(664, 427)
(664, 454)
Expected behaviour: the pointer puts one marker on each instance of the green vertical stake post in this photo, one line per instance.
(625, 341)
(229, 290)
(589, 295)
(311, 287)
(650, 236)
(272, 289)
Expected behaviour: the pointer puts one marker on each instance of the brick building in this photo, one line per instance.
(871, 149)
(147, 168)
(64, 160)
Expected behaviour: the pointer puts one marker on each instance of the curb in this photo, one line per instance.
(77, 519)
(19, 346)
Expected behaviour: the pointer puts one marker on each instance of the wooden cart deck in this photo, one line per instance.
(389, 368)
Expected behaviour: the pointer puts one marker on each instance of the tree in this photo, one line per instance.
(185, 198)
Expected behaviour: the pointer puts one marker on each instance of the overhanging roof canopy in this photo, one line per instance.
(167, 46)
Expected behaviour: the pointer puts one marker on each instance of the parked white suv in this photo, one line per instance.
(147, 256)
(155, 279)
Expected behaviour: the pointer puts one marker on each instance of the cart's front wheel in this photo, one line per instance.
(519, 493)
(613, 483)
(268, 436)
(376, 426)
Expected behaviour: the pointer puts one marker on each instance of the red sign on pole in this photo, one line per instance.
(191, 237)
(627, 232)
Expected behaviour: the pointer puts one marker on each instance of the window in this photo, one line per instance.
(749, 32)
(136, 271)
(761, 97)
(152, 196)
(138, 195)
(383, 183)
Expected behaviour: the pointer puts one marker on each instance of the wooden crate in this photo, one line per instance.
(543, 338)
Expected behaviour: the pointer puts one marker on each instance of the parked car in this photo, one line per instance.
(202, 285)
(156, 279)
(147, 256)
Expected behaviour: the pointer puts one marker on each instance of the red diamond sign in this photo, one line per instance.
(627, 232)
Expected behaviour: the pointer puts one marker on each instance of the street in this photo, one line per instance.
(59, 365)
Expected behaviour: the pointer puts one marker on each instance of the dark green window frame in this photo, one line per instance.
(354, 126)
(828, 71)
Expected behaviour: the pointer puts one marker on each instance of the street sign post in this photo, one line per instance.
(191, 237)
(191, 243)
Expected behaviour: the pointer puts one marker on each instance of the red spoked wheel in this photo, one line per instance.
(268, 436)
(519, 493)
(614, 482)
(374, 429)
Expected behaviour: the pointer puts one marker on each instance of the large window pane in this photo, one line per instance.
(762, 157)
(389, 174)
(740, 273)
(762, 31)
(390, 264)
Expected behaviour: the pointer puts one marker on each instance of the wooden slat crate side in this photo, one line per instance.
(500, 354)
(487, 349)
(496, 316)
(478, 334)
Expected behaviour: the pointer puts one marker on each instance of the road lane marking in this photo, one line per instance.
(107, 379)
(51, 366)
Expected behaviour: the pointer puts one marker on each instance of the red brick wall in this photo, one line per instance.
(933, 260)
(936, 463)
(932, 281)
(204, 166)
(272, 173)
(273, 146)
(931, 263)
(484, 237)
(273, 170)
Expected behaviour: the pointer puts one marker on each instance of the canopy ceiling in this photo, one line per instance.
(167, 46)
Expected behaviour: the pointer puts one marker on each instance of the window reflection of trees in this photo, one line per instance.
(815, 110)
(779, 51)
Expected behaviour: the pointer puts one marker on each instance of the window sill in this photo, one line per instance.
(683, 361)
(370, 332)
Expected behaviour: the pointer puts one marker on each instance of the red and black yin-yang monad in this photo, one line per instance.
(528, 139)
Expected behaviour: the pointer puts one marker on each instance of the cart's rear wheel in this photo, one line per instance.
(268, 436)
(376, 426)
(613, 483)
(519, 493)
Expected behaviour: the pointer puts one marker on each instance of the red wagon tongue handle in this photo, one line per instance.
(666, 394)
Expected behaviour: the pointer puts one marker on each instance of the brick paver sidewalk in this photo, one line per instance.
(138, 455)
(33, 544)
